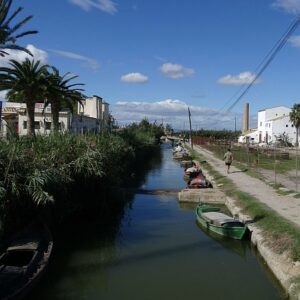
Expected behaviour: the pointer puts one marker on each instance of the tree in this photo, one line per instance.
(8, 32)
(168, 129)
(60, 94)
(295, 119)
(27, 81)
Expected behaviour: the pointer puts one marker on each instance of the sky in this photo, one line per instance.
(156, 58)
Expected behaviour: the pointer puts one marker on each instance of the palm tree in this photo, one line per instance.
(27, 81)
(295, 119)
(60, 94)
(8, 35)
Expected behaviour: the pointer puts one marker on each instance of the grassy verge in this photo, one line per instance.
(280, 234)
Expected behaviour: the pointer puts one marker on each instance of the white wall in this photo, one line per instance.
(267, 119)
(283, 125)
(278, 111)
(92, 107)
(40, 121)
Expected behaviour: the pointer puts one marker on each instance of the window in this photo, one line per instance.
(47, 125)
(260, 124)
(36, 125)
(286, 125)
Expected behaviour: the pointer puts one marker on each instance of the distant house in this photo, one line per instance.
(249, 136)
(94, 118)
(271, 123)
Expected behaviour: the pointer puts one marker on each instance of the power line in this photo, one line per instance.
(269, 58)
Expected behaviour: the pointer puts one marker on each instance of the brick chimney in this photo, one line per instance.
(246, 118)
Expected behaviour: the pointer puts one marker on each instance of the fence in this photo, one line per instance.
(276, 165)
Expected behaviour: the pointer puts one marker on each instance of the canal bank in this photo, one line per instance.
(280, 261)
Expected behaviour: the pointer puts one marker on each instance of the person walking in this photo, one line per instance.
(228, 157)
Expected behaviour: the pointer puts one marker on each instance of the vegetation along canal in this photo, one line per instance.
(157, 252)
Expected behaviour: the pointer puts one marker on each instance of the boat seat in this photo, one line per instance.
(217, 217)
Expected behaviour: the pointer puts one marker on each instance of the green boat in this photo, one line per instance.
(211, 218)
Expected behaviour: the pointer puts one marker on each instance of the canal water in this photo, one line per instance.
(157, 253)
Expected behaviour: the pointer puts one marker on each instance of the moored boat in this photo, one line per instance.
(24, 260)
(211, 218)
(186, 163)
(181, 155)
(199, 182)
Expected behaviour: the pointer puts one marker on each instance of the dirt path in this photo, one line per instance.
(287, 206)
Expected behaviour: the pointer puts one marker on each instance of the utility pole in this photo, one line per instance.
(235, 124)
(190, 128)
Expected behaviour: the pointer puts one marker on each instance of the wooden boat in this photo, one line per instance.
(211, 218)
(188, 176)
(181, 155)
(186, 163)
(24, 260)
(199, 182)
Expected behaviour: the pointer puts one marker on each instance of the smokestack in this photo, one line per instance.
(246, 117)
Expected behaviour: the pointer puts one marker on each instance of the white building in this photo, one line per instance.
(271, 123)
(249, 136)
(274, 121)
(96, 108)
(14, 118)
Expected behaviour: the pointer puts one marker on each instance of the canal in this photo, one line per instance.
(158, 252)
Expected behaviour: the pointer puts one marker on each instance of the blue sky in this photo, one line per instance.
(156, 58)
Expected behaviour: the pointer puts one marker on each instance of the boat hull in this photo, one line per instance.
(24, 261)
(234, 232)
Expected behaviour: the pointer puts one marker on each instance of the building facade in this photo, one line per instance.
(272, 123)
(95, 107)
(93, 118)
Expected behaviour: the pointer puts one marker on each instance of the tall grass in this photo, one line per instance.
(56, 174)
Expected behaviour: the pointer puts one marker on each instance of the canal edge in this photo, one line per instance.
(284, 269)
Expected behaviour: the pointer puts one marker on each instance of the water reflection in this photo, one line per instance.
(239, 247)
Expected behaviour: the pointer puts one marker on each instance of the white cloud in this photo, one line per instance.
(295, 41)
(174, 112)
(290, 6)
(107, 6)
(240, 79)
(19, 56)
(176, 71)
(134, 78)
(88, 62)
